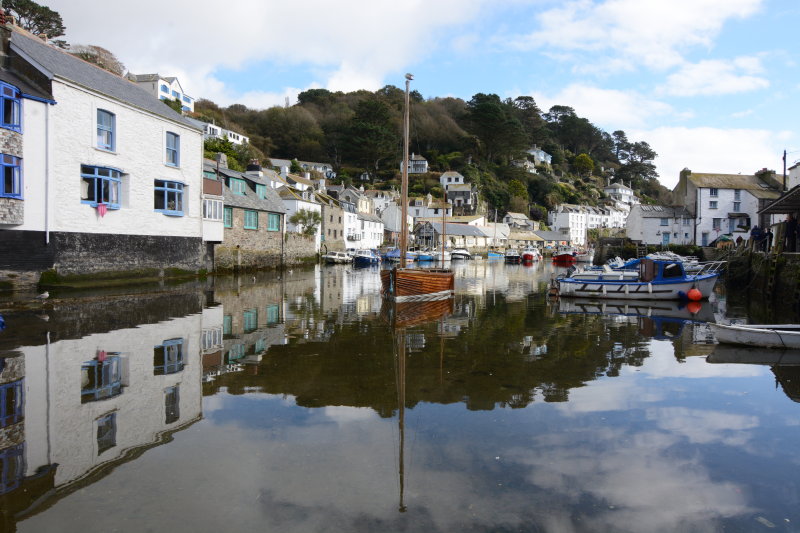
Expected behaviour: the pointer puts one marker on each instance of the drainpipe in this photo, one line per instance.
(47, 174)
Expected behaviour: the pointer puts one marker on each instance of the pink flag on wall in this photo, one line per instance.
(101, 209)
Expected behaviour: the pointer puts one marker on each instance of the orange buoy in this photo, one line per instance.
(694, 307)
(694, 295)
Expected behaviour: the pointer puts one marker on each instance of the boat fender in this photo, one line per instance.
(650, 288)
(694, 295)
(682, 295)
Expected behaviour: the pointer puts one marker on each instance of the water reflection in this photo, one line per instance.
(302, 401)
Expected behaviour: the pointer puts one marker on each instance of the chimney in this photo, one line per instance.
(307, 175)
(254, 168)
(221, 159)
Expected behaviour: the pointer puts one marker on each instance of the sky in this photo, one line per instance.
(711, 85)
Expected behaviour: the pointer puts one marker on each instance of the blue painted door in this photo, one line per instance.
(665, 238)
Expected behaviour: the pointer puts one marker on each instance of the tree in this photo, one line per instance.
(295, 167)
(174, 104)
(373, 136)
(36, 18)
(583, 164)
(307, 221)
(517, 190)
(101, 57)
(212, 146)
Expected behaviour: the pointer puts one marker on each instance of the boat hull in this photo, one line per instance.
(637, 290)
(754, 336)
(406, 284)
(528, 257)
(564, 258)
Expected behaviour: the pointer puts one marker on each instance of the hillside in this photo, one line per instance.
(485, 139)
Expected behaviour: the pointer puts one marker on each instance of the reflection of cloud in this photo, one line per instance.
(704, 427)
(343, 414)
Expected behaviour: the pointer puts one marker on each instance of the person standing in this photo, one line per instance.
(768, 240)
(791, 233)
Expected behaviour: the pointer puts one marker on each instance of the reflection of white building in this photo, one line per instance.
(92, 401)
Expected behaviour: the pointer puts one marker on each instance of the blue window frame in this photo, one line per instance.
(101, 379)
(164, 88)
(227, 325)
(106, 432)
(260, 346)
(12, 467)
(106, 125)
(227, 217)
(665, 222)
(187, 99)
(12, 401)
(273, 314)
(168, 197)
(238, 186)
(250, 320)
(11, 184)
(11, 109)
(172, 404)
(185, 108)
(236, 352)
(173, 149)
(274, 222)
(250, 219)
(100, 185)
(261, 191)
(168, 357)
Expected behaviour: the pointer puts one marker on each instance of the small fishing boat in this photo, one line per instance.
(530, 254)
(460, 253)
(564, 255)
(654, 280)
(394, 255)
(425, 255)
(512, 256)
(366, 258)
(585, 256)
(438, 255)
(759, 335)
(491, 254)
(337, 258)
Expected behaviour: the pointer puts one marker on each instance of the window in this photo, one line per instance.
(185, 108)
(11, 403)
(210, 338)
(713, 192)
(228, 217)
(12, 107)
(737, 206)
(210, 175)
(173, 149)
(100, 185)
(168, 197)
(273, 314)
(101, 379)
(250, 219)
(187, 99)
(227, 325)
(106, 124)
(11, 184)
(106, 432)
(12, 467)
(737, 194)
(168, 357)
(176, 94)
(717, 224)
(274, 223)
(238, 186)
(164, 88)
(261, 191)
(250, 320)
(712, 204)
(665, 222)
(687, 221)
(236, 352)
(172, 404)
(212, 209)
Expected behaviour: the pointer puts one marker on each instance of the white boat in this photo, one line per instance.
(512, 256)
(586, 256)
(664, 309)
(437, 255)
(760, 335)
(460, 253)
(690, 262)
(654, 280)
(530, 254)
(337, 258)
(564, 254)
(747, 355)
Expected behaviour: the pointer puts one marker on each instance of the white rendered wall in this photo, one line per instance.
(34, 143)
(140, 152)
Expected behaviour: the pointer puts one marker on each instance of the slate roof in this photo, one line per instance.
(552, 235)
(461, 230)
(662, 211)
(370, 217)
(459, 187)
(727, 181)
(63, 65)
(249, 200)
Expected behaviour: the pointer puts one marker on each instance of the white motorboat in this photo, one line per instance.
(337, 258)
(460, 253)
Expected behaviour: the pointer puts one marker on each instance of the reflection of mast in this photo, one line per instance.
(401, 405)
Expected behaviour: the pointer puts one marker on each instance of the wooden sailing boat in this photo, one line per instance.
(409, 284)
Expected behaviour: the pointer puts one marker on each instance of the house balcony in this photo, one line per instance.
(212, 187)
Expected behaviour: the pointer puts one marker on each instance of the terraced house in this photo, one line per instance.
(98, 175)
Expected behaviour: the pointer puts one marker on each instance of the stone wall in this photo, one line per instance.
(12, 210)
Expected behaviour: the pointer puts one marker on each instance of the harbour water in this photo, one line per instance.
(302, 402)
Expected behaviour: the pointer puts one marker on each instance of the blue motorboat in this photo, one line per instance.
(366, 258)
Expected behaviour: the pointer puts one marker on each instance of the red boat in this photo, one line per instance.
(564, 255)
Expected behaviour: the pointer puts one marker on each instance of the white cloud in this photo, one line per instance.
(354, 44)
(712, 150)
(608, 108)
(713, 77)
(653, 33)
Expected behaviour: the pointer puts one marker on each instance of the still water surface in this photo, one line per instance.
(304, 403)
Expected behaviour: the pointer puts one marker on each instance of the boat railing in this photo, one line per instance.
(711, 267)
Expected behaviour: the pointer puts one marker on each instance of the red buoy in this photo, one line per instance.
(694, 295)
(694, 307)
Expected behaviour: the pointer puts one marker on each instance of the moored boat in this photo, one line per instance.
(460, 253)
(337, 258)
(512, 256)
(585, 256)
(654, 280)
(564, 254)
(759, 335)
(491, 254)
(530, 254)
(366, 258)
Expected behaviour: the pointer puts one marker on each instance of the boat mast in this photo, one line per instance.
(444, 223)
(404, 182)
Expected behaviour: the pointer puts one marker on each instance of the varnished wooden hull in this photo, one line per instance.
(417, 283)
(407, 314)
